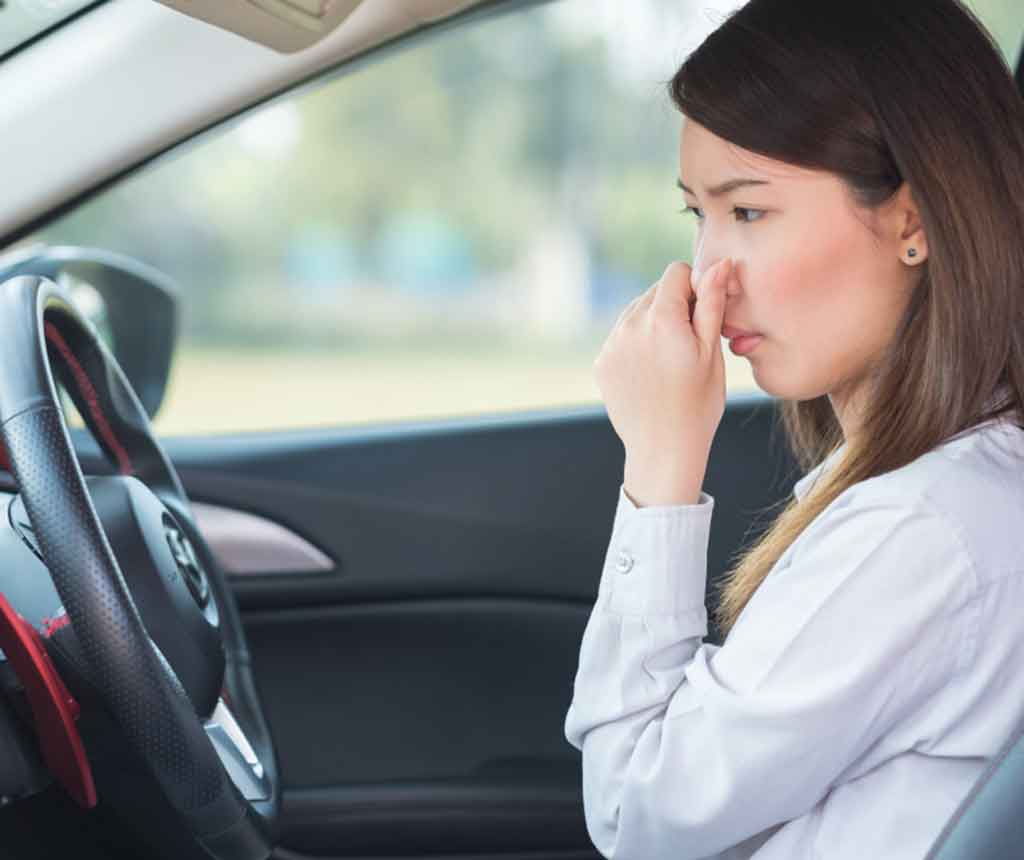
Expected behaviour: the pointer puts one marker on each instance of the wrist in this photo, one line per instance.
(650, 487)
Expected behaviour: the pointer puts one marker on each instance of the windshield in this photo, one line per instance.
(23, 20)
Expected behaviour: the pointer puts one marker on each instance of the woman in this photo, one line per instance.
(874, 656)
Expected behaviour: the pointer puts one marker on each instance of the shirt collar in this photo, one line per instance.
(801, 487)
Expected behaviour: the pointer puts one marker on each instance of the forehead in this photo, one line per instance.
(706, 159)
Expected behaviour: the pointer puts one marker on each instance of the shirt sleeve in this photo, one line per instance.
(690, 748)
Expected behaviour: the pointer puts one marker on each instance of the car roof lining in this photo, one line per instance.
(284, 26)
(116, 91)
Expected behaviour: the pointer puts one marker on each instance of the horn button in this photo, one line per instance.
(188, 564)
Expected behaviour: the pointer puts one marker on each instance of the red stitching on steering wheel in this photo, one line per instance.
(87, 390)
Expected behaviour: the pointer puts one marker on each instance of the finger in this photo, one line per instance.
(676, 292)
(627, 313)
(635, 305)
(710, 307)
(645, 301)
(687, 284)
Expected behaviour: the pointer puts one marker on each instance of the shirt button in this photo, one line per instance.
(624, 563)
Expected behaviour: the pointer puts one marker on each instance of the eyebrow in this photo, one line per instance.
(725, 187)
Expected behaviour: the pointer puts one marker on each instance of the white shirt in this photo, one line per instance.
(859, 695)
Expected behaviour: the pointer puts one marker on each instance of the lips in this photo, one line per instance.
(731, 332)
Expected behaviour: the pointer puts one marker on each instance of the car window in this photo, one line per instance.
(449, 230)
(1004, 19)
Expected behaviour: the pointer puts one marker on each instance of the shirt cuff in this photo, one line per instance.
(657, 558)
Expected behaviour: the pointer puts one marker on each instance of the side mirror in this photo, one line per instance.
(133, 306)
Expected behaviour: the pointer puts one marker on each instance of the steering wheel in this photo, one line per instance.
(154, 635)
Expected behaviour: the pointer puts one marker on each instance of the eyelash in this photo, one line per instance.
(735, 209)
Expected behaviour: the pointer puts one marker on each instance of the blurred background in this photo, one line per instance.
(449, 229)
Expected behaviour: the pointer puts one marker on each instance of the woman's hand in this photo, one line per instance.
(662, 377)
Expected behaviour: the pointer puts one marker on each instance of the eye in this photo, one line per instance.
(736, 209)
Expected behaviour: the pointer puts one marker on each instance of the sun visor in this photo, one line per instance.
(284, 25)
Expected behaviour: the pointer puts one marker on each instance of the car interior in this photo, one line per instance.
(346, 640)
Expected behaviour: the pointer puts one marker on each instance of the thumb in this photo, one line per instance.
(710, 309)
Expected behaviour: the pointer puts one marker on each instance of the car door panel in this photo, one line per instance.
(417, 687)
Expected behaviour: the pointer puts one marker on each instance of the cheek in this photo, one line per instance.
(806, 282)
(789, 293)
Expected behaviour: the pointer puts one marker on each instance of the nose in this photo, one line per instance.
(708, 252)
(702, 264)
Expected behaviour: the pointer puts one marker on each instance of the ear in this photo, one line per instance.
(908, 231)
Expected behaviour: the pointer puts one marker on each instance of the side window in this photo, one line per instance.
(449, 230)
(1004, 19)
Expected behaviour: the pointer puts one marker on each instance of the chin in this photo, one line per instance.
(785, 389)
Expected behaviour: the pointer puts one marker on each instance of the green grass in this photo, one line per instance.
(226, 390)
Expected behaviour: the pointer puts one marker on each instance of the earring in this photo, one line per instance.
(912, 252)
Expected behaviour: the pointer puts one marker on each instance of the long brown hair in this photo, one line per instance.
(882, 92)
